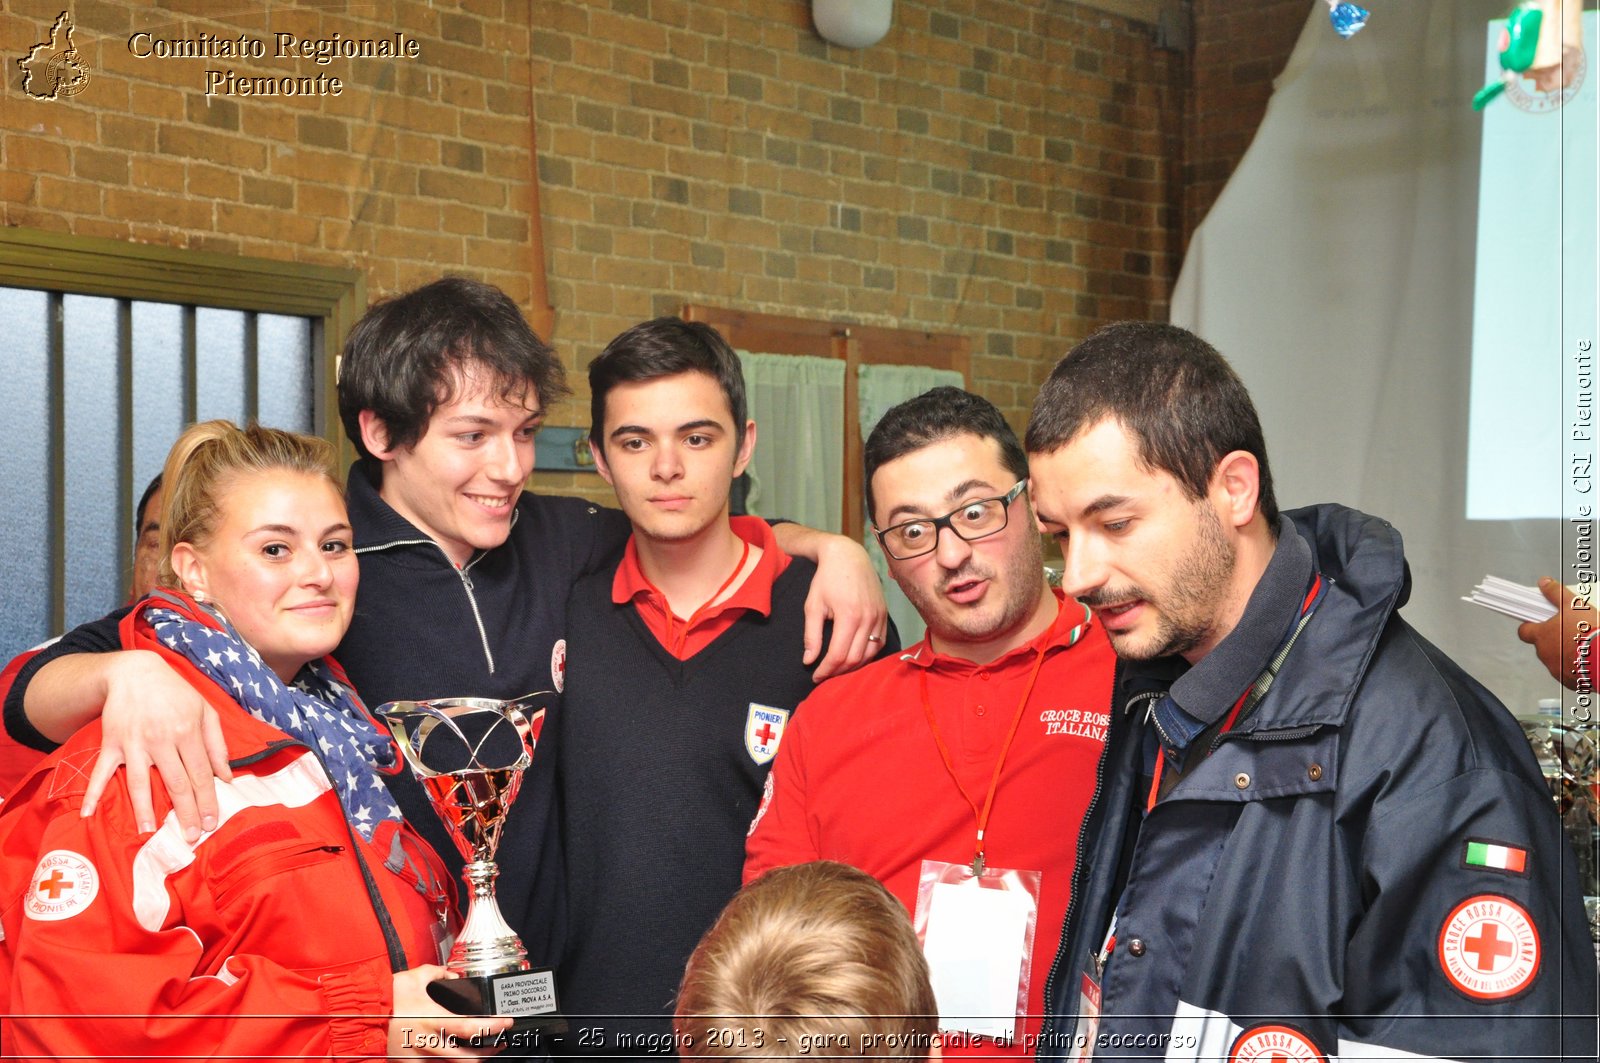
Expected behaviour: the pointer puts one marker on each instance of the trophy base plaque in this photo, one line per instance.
(528, 997)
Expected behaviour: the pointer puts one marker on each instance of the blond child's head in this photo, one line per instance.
(815, 959)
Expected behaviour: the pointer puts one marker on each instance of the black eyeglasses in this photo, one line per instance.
(974, 520)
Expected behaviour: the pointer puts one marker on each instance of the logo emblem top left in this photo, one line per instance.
(54, 67)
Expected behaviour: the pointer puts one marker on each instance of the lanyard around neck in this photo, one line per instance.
(982, 815)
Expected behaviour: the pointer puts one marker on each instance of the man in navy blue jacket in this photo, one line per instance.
(1314, 835)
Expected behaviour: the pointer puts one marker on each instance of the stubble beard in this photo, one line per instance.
(1188, 611)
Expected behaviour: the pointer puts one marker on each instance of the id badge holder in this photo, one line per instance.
(1088, 1027)
(1084, 1034)
(977, 933)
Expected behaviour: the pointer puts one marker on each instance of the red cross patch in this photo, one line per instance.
(558, 665)
(763, 730)
(1274, 1042)
(766, 803)
(1489, 948)
(63, 885)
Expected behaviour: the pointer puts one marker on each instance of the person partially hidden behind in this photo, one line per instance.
(147, 540)
(16, 759)
(815, 959)
(309, 920)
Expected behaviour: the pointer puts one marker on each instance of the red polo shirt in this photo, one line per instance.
(858, 777)
(754, 594)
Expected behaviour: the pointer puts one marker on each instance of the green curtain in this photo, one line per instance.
(797, 403)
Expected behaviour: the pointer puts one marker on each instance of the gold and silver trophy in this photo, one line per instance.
(470, 755)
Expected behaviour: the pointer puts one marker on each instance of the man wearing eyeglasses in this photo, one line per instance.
(957, 772)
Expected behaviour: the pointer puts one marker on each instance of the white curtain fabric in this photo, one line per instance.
(797, 403)
(1336, 273)
(880, 387)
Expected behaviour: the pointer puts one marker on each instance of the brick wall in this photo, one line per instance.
(417, 167)
(997, 168)
(1240, 47)
(1006, 169)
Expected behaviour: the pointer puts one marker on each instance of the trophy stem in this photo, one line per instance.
(486, 945)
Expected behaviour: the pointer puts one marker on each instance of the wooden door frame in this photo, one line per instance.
(855, 345)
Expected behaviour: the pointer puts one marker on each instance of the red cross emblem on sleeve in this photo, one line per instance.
(1274, 1042)
(64, 884)
(1489, 948)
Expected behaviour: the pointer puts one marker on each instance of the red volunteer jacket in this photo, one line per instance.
(276, 934)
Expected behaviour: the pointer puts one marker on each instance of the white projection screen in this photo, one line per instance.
(1407, 286)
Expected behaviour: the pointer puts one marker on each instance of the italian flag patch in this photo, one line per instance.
(1497, 857)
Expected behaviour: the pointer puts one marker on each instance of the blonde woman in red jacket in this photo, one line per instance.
(309, 921)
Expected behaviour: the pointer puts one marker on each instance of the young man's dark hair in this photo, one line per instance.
(405, 356)
(938, 414)
(660, 348)
(1170, 389)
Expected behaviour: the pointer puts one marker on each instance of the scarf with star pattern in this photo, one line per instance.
(317, 710)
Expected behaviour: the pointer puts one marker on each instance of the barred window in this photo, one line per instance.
(99, 384)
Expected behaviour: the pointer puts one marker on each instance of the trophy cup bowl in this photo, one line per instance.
(469, 754)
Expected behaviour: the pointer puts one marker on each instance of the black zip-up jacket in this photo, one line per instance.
(494, 628)
(1307, 890)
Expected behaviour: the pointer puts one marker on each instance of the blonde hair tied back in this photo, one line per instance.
(204, 462)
